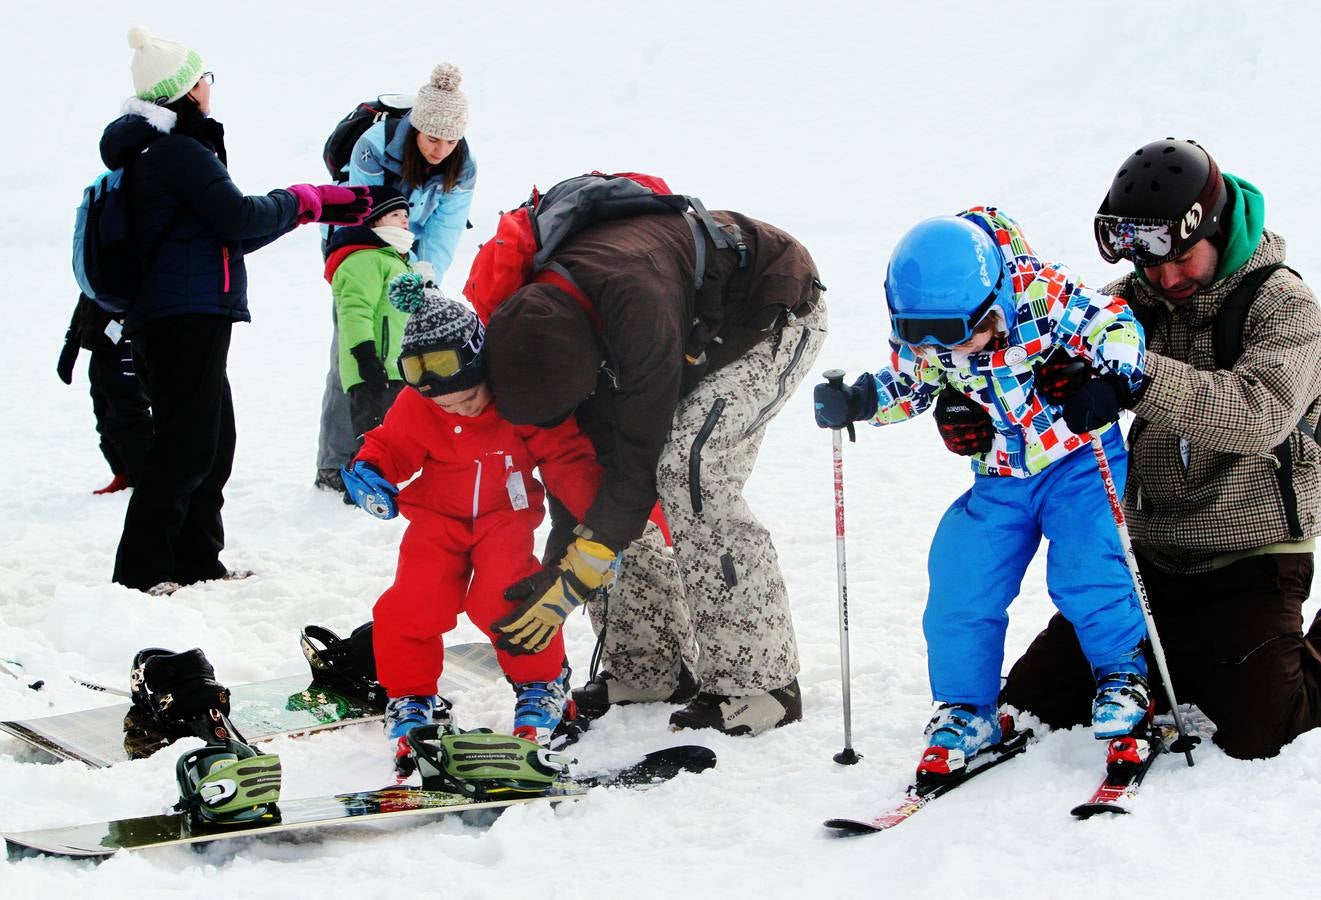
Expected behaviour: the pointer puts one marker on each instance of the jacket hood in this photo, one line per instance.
(347, 241)
(141, 123)
(542, 355)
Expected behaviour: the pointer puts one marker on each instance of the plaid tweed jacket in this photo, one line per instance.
(1201, 479)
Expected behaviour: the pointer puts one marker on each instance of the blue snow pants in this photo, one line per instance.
(982, 549)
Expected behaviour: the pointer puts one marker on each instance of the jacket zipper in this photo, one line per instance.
(476, 490)
(385, 342)
(224, 260)
(765, 412)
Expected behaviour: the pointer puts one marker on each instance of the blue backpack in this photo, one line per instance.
(107, 260)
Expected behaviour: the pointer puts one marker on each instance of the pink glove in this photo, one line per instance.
(333, 204)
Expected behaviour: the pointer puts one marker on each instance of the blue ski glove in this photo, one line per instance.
(369, 489)
(839, 405)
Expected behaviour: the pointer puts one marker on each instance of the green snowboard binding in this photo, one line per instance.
(228, 784)
(480, 765)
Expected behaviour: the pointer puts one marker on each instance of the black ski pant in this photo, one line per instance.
(173, 530)
(1235, 647)
(122, 411)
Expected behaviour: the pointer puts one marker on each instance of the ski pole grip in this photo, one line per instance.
(835, 378)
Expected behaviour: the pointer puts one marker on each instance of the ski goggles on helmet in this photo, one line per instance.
(945, 329)
(438, 369)
(1146, 242)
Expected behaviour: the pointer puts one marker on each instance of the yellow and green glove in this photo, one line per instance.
(546, 598)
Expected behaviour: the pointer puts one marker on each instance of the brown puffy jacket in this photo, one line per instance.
(546, 355)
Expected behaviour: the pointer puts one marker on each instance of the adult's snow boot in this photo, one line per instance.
(751, 714)
(596, 697)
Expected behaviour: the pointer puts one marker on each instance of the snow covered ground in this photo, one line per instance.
(843, 122)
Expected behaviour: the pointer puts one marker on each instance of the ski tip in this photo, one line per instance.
(1087, 810)
(689, 757)
(849, 827)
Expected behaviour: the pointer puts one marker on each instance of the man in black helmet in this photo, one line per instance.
(1223, 498)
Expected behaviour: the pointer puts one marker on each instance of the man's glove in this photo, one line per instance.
(1097, 403)
(369, 489)
(370, 368)
(965, 425)
(1060, 376)
(549, 596)
(838, 405)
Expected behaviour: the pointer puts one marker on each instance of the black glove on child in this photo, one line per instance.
(370, 368)
(1097, 403)
(965, 426)
(1060, 376)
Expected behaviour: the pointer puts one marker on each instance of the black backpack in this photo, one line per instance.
(1227, 340)
(389, 108)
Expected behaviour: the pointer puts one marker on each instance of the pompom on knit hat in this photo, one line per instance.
(435, 321)
(163, 70)
(441, 109)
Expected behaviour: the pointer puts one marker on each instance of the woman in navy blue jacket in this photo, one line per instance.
(193, 227)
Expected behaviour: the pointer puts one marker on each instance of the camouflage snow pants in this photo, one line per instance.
(717, 601)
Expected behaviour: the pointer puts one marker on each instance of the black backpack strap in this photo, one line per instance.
(1228, 344)
(723, 236)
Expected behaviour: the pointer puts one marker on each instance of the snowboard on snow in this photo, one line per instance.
(260, 710)
(106, 838)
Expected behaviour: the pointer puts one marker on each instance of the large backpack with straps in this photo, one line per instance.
(388, 108)
(107, 259)
(527, 237)
(1227, 341)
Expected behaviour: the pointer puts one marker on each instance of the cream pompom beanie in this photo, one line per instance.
(163, 70)
(441, 109)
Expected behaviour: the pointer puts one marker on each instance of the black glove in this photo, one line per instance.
(1097, 403)
(965, 425)
(68, 356)
(370, 368)
(1059, 376)
(839, 405)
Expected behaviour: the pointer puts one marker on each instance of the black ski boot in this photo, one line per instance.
(347, 665)
(596, 697)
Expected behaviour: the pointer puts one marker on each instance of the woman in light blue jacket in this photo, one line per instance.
(424, 156)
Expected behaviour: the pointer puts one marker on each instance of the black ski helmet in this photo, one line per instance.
(1167, 181)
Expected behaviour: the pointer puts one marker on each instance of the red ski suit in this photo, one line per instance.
(465, 542)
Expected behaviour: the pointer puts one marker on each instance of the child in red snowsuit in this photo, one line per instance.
(472, 512)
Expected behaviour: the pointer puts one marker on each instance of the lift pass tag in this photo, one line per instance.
(516, 489)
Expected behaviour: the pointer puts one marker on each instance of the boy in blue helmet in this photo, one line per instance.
(975, 314)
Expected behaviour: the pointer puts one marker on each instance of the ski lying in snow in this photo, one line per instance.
(919, 795)
(1128, 759)
(103, 839)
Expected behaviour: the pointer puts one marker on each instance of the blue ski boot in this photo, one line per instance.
(957, 733)
(1123, 704)
(540, 707)
(402, 715)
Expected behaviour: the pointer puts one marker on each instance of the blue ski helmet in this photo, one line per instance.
(944, 276)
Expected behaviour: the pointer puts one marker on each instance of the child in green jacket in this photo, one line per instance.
(361, 261)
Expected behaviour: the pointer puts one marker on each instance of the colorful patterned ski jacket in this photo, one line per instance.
(1052, 309)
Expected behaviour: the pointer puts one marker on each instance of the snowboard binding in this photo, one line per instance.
(228, 784)
(344, 664)
(482, 765)
(176, 695)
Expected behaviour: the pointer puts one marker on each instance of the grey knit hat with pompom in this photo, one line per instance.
(441, 109)
(434, 321)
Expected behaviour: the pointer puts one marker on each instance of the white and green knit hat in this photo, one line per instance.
(163, 70)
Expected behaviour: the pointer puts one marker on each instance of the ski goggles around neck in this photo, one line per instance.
(945, 329)
(1146, 242)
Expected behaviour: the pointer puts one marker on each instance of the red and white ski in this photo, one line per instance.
(1128, 759)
